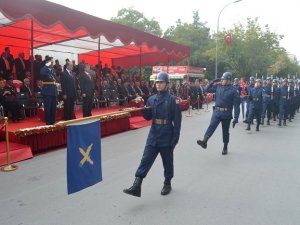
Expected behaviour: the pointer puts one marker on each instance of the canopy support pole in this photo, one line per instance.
(31, 58)
(140, 61)
(99, 69)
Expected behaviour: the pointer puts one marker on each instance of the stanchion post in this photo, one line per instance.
(8, 166)
(207, 110)
(198, 105)
(189, 109)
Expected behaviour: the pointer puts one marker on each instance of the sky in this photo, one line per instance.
(281, 16)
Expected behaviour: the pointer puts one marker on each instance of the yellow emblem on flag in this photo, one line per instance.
(86, 155)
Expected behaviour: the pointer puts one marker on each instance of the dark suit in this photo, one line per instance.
(5, 73)
(27, 90)
(20, 68)
(87, 86)
(69, 90)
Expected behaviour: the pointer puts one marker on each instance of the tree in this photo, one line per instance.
(133, 18)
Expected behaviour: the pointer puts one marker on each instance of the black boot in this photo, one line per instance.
(135, 189)
(167, 188)
(262, 121)
(257, 127)
(274, 118)
(279, 123)
(225, 149)
(268, 122)
(290, 118)
(284, 122)
(248, 127)
(203, 143)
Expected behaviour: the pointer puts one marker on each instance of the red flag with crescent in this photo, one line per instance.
(228, 39)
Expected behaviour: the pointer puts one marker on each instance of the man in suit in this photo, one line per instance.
(68, 91)
(87, 86)
(26, 87)
(6, 64)
(49, 90)
(20, 65)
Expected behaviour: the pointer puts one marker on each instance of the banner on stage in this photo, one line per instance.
(83, 156)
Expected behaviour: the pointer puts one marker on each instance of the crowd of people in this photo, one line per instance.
(80, 83)
(270, 99)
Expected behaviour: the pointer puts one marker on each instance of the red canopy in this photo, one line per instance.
(60, 29)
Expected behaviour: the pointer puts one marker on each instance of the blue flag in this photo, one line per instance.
(83, 156)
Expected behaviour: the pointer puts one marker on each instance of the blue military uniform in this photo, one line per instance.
(227, 97)
(267, 103)
(255, 106)
(248, 89)
(164, 133)
(49, 92)
(283, 104)
(165, 113)
(275, 100)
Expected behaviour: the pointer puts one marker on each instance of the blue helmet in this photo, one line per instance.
(162, 77)
(226, 76)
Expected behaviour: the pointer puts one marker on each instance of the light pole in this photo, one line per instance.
(216, 70)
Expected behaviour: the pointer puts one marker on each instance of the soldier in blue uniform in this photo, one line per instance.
(283, 102)
(249, 87)
(227, 97)
(275, 99)
(165, 113)
(255, 104)
(49, 90)
(290, 99)
(267, 101)
(237, 86)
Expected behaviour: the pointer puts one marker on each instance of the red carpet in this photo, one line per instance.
(18, 152)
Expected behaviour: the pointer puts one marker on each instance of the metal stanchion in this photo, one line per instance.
(207, 110)
(8, 166)
(189, 110)
(198, 105)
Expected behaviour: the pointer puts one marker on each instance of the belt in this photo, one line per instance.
(221, 109)
(160, 121)
(255, 99)
(49, 83)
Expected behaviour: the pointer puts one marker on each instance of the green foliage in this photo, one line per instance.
(133, 18)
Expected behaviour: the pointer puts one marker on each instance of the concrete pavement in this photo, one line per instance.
(257, 183)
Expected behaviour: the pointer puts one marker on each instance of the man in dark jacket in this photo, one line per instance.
(68, 91)
(87, 86)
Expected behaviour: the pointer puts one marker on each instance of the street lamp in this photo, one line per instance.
(216, 70)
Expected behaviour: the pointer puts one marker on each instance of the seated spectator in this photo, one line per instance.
(26, 87)
(9, 102)
(39, 86)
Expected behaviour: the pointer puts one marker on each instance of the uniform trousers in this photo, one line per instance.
(149, 156)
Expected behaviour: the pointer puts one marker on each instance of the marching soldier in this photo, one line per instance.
(267, 101)
(227, 97)
(275, 99)
(249, 87)
(255, 104)
(165, 113)
(283, 102)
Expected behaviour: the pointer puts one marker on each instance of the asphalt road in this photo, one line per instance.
(257, 183)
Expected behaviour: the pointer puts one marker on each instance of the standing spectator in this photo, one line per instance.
(6, 64)
(49, 90)
(87, 86)
(20, 65)
(68, 91)
(38, 64)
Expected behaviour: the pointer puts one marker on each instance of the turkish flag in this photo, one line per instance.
(228, 39)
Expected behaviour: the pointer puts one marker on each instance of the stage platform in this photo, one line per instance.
(39, 140)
